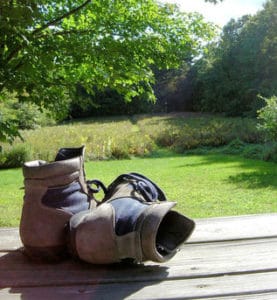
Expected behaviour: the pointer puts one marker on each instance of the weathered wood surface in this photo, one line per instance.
(225, 258)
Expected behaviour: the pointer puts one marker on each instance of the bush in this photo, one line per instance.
(267, 151)
(207, 132)
(16, 115)
(253, 151)
(234, 147)
(14, 157)
(268, 117)
(270, 152)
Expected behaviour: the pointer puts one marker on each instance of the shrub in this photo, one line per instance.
(15, 156)
(167, 137)
(270, 152)
(120, 152)
(16, 115)
(246, 130)
(268, 118)
(234, 147)
(253, 151)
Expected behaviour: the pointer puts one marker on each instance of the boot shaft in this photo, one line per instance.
(58, 185)
(53, 193)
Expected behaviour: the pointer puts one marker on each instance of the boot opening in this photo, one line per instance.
(67, 153)
(172, 232)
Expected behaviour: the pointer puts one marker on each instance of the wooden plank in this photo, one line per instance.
(211, 229)
(237, 227)
(10, 239)
(196, 288)
(54, 296)
(264, 296)
(226, 258)
(194, 260)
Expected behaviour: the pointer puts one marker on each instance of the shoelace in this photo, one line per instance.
(141, 184)
(149, 190)
(98, 184)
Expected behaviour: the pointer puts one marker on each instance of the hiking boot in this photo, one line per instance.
(53, 193)
(133, 223)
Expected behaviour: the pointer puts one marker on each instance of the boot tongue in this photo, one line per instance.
(67, 153)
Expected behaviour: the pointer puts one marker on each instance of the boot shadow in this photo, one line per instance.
(71, 279)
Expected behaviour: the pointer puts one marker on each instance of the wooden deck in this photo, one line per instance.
(226, 258)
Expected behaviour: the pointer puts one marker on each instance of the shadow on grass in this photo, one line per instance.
(162, 153)
(254, 180)
(253, 174)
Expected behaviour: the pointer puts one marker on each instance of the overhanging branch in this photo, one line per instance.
(46, 25)
(55, 21)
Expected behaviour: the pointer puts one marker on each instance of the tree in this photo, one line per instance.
(105, 103)
(48, 47)
(241, 66)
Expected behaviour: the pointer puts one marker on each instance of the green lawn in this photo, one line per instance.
(203, 186)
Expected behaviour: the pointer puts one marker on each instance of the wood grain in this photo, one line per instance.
(226, 258)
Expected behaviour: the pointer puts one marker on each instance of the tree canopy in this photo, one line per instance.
(48, 47)
(240, 66)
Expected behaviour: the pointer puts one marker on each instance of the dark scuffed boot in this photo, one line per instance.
(54, 192)
(134, 223)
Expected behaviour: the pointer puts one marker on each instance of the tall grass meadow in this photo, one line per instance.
(140, 136)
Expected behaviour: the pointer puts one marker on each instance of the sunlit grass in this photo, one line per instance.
(203, 186)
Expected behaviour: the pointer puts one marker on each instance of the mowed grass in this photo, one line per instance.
(202, 186)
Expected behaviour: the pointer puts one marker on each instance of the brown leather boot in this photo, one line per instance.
(134, 223)
(53, 193)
